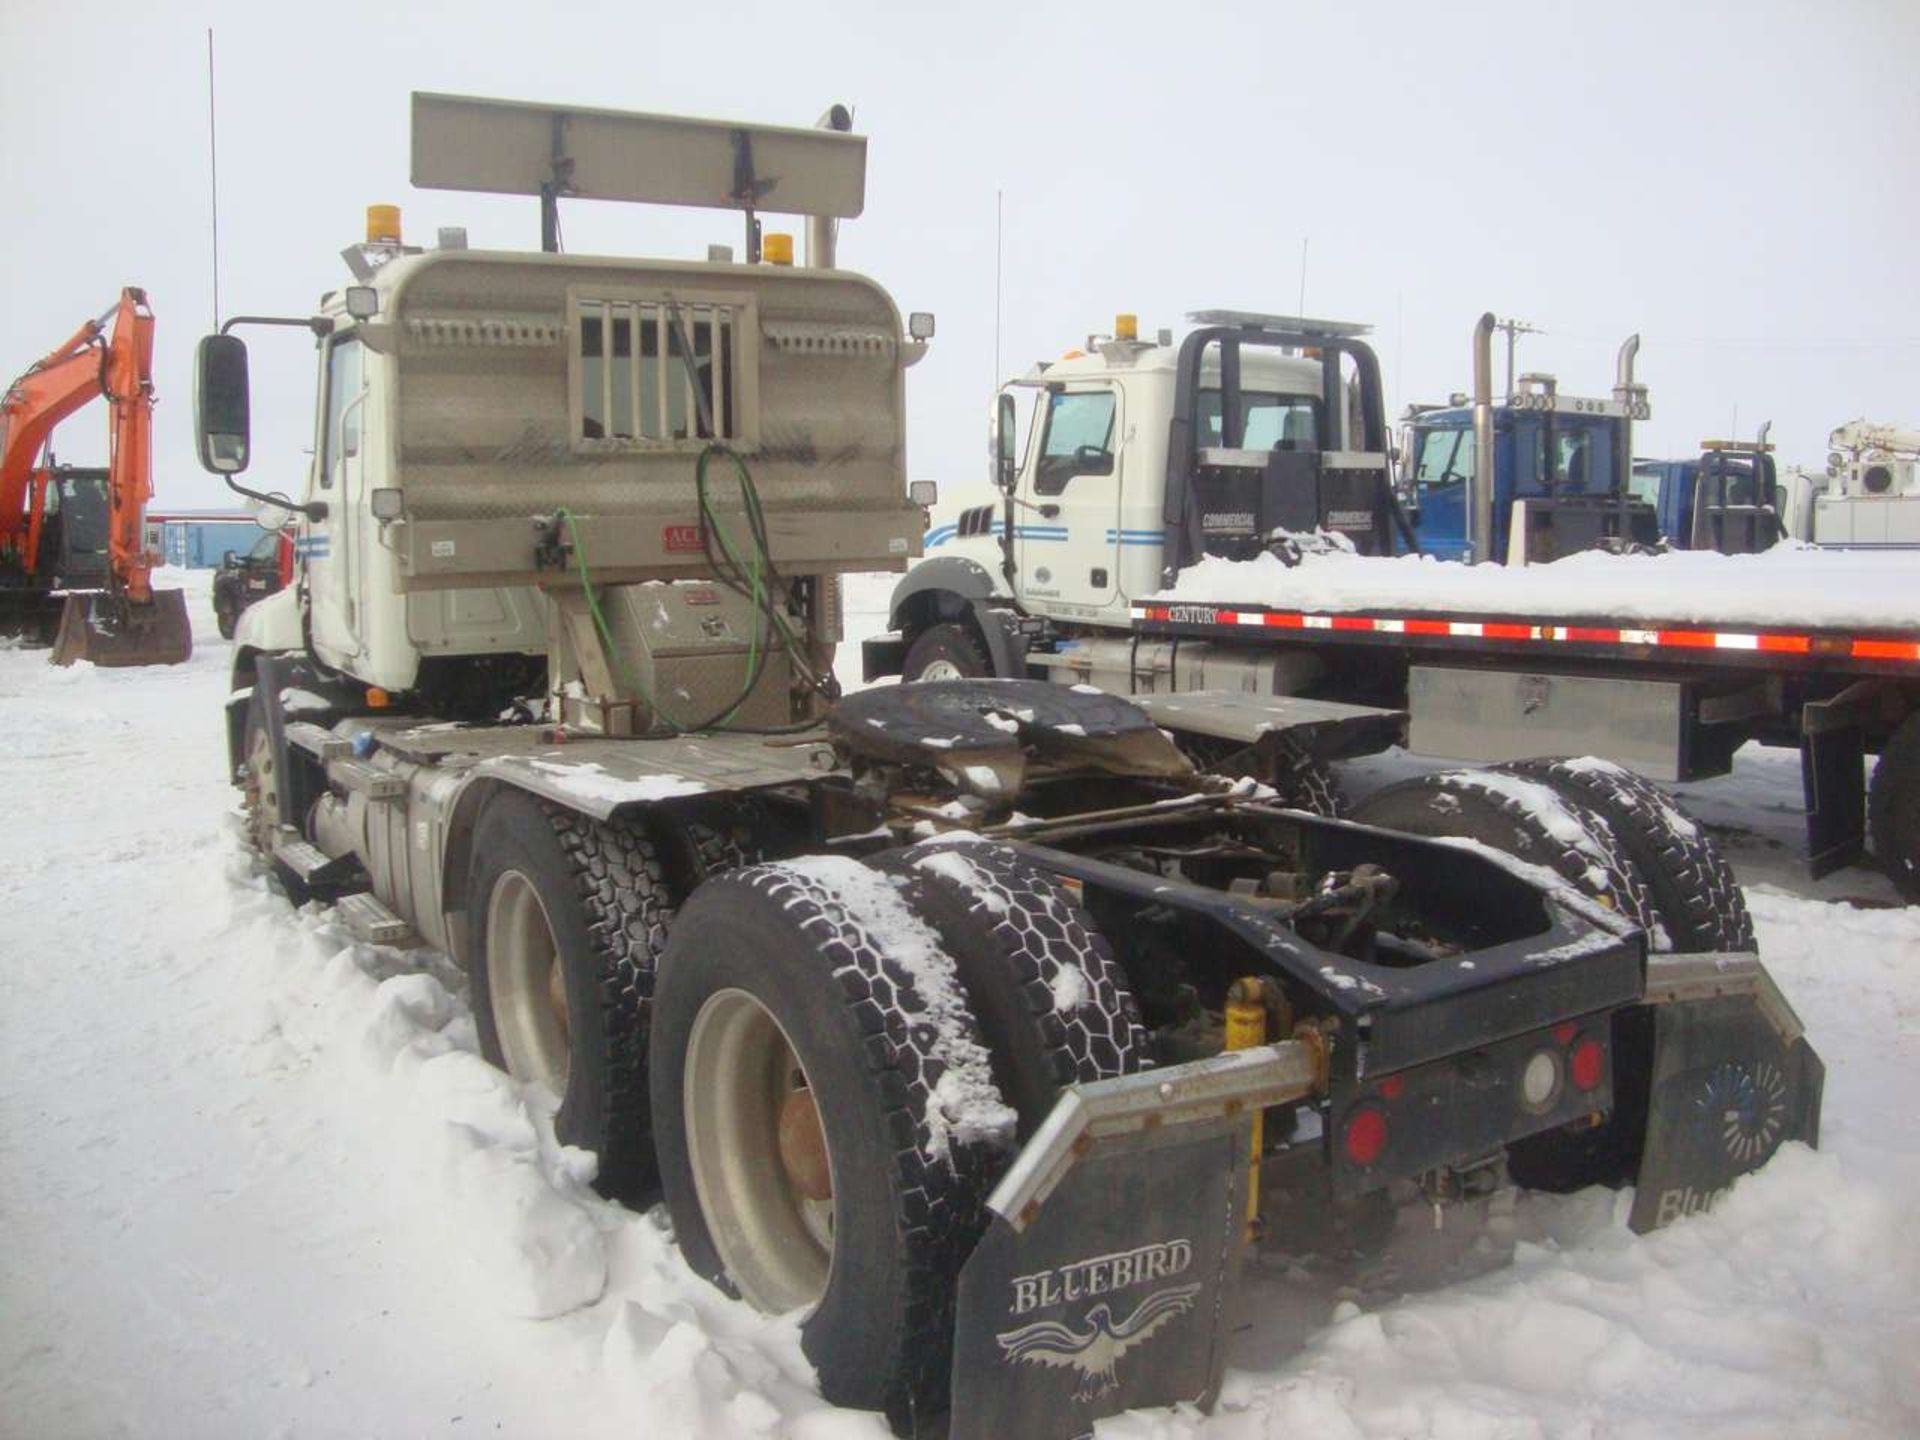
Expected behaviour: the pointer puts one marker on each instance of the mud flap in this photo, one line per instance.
(110, 631)
(1733, 1080)
(1106, 1275)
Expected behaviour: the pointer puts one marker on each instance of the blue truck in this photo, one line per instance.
(1560, 463)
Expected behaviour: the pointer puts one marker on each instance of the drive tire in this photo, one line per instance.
(226, 620)
(603, 897)
(786, 952)
(1695, 896)
(1521, 817)
(1893, 809)
(951, 649)
(1053, 1004)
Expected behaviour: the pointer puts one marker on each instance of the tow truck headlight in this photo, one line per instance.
(1540, 1081)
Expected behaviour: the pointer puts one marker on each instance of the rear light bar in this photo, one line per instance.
(1459, 1109)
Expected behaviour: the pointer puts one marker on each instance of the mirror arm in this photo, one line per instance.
(320, 325)
(313, 509)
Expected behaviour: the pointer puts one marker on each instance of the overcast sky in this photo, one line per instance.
(1740, 183)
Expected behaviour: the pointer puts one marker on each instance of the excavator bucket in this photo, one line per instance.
(109, 630)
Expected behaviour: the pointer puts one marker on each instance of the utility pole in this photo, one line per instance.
(1513, 329)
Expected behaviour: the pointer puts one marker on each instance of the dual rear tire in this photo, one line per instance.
(821, 1065)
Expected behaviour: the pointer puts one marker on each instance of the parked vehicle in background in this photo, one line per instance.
(1195, 516)
(74, 559)
(254, 574)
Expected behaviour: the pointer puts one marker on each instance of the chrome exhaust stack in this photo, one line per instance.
(822, 229)
(1480, 511)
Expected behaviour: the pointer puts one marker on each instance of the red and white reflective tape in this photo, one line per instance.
(1835, 646)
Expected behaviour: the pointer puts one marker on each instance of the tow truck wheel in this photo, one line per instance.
(1893, 809)
(1695, 897)
(815, 1070)
(947, 651)
(1052, 1001)
(225, 619)
(565, 919)
(260, 784)
(1521, 817)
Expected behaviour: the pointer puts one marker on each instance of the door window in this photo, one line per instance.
(1079, 439)
(1445, 458)
(342, 437)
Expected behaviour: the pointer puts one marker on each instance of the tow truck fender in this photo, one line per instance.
(950, 587)
(270, 624)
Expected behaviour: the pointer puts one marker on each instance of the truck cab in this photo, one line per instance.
(1538, 454)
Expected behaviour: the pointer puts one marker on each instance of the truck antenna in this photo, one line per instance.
(213, 187)
(999, 230)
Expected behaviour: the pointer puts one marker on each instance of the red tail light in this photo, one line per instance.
(1366, 1135)
(1588, 1065)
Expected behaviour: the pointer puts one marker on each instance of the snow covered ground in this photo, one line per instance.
(254, 1180)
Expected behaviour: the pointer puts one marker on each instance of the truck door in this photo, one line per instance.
(1443, 476)
(326, 544)
(1066, 535)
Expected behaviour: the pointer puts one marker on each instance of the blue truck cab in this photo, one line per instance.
(1537, 455)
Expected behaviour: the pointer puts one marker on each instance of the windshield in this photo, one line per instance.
(1272, 420)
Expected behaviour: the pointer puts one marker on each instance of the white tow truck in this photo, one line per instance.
(971, 1021)
(1196, 516)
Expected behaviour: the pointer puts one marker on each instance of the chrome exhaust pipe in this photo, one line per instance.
(1480, 506)
(1631, 396)
(821, 228)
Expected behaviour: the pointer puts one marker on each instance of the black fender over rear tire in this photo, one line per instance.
(1893, 809)
(605, 902)
(826, 955)
(951, 646)
(1521, 817)
(1054, 1006)
(1695, 897)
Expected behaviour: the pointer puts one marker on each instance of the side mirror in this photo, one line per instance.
(220, 403)
(228, 558)
(1005, 421)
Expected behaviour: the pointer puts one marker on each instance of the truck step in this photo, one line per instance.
(303, 858)
(360, 778)
(370, 920)
(318, 741)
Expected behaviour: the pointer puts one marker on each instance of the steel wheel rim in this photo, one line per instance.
(775, 1243)
(526, 982)
(941, 670)
(262, 793)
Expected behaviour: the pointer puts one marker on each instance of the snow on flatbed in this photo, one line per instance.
(1790, 585)
(255, 1182)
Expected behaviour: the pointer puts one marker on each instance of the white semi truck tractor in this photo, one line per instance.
(946, 1016)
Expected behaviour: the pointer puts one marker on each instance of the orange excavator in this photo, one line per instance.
(74, 566)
